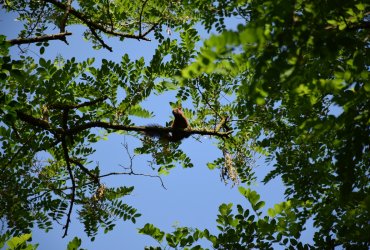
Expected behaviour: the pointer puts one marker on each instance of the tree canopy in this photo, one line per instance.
(290, 82)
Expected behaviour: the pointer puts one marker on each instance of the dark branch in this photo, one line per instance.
(37, 122)
(73, 192)
(150, 30)
(360, 25)
(98, 124)
(61, 36)
(141, 16)
(65, 16)
(136, 174)
(151, 129)
(85, 170)
(130, 168)
(101, 41)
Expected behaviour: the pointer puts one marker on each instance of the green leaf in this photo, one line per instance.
(252, 196)
(259, 205)
(139, 112)
(74, 244)
(271, 212)
(151, 230)
(17, 241)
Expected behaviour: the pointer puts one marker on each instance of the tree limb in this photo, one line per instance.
(98, 124)
(141, 16)
(60, 36)
(38, 122)
(151, 129)
(65, 16)
(86, 171)
(73, 192)
(221, 124)
(94, 25)
(101, 41)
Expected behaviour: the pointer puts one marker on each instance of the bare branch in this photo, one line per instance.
(125, 145)
(133, 173)
(60, 36)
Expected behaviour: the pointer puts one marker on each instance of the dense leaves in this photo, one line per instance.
(290, 82)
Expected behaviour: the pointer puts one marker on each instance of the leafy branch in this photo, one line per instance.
(118, 127)
(93, 26)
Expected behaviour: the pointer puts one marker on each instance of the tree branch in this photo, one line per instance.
(141, 16)
(221, 124)
(38, 122)
(94, 25)
(150, 129)
(86, 171)
(65, 16)
(60, 36)
(360, 25)
(98, 124)
(136, 174)
(73, 192)
(101, 41)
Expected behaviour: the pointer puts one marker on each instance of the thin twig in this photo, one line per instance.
(151, 29)
(130, 168)
(135, 174)
(205, 98)
(109, 15)
(30, 31)
(101, 41)
(141, 16)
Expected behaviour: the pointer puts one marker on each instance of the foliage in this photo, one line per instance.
(309, 77)
(240, 229)
(21, 243)
(296, 77)
(18, 242)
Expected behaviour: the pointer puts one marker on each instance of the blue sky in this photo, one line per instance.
(193, 195)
